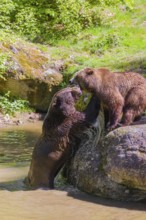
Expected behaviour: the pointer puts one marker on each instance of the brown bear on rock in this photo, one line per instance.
(123, 94)
(60, 136)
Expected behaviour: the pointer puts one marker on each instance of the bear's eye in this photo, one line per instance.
(58, 102)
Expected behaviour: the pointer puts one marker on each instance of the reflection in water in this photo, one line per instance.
(66, 203)
(16, 144)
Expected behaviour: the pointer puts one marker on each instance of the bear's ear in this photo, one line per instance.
(89, 71)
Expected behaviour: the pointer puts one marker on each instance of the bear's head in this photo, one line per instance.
(63, 102)
(89, 79)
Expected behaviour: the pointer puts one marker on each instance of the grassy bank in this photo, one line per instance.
(121, 45)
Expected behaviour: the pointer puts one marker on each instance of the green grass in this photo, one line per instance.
(120, 45)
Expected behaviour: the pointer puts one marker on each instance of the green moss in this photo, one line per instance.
(83, 101)
(4, 58)
(28, 56)
(31, 62)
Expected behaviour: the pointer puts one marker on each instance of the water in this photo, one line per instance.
(16, 144)
(64, 203)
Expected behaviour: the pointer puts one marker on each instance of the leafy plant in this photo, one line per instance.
(104, 42)
(26, 22)
(6, 8)
(41, 20)
(11, 106)
(129, 3)
(3, 66)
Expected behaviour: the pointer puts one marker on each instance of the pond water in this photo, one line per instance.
(64, 203)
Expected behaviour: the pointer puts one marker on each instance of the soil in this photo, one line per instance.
(20, 118)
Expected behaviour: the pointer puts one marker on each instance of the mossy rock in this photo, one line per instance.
(28, 75)
(115, 167)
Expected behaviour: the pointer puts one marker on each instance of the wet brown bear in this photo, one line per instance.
(122, 93)
(60, 134)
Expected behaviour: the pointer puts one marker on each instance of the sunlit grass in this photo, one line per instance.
(119, 46)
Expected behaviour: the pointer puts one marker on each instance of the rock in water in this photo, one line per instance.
(115, 167)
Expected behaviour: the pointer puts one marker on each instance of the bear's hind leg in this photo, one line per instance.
(128, 116)
(135, 103)
(115, 110)
(115, 117)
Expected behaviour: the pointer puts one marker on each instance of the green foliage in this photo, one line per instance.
(103, 42)
(11, 106)
(129, 3)
(52, 18)
(6, 8)
(72, 16)
(26, 23)
(3, 66)
(41, 20)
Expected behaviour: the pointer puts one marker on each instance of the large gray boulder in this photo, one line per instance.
(113, 168)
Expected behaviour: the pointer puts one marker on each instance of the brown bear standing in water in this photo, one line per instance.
(123, 94)
(60, 136)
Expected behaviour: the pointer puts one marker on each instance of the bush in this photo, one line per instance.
(103, 43)
(40, 20)
(26, 22)
(6, 8)
(11, 106)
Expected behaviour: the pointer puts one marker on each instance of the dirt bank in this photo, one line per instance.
(20, 118)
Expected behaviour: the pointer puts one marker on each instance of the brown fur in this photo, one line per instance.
(122, 93)
(61, 128)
